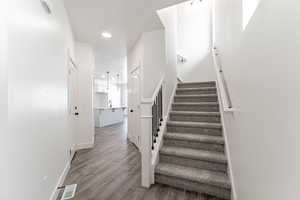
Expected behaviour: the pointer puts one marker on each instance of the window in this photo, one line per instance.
(249, 8)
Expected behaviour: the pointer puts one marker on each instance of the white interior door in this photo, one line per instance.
(134, 107)
(73, 110)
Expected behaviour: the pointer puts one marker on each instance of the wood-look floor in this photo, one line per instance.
(112, 171)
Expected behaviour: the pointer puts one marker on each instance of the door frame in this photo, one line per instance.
(72, 118)
(136, 135)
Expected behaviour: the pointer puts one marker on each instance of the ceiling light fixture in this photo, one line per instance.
(106, 35)
(47, 6)
(193, 1)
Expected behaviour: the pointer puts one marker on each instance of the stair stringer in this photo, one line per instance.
(227, 151)
(159, 143)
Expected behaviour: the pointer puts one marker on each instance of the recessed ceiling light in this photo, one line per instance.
(106, 35)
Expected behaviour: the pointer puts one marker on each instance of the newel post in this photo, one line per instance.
(146, 137)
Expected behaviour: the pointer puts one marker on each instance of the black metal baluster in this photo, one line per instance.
(161, 106)
(156, 116)
(153, 125)
(158, 109)
(155, 120)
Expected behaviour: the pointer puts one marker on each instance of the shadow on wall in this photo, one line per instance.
(194, 41)
(249, 9)
(200, 69)
(262, 71)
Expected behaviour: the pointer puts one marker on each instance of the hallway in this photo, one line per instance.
(111, 171)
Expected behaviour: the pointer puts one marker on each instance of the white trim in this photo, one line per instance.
(146, 134)
(134, 69)
(171, 101)
(221, 85)
(151, 100)
(145, 138)
(73, 151)
(147, 101)
(227, 152)
(73, 63)
(229, 110)
(71, 59)
(60, 182)
(146, 116)
(84, 146)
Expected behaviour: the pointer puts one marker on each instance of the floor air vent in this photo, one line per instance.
(69, 192)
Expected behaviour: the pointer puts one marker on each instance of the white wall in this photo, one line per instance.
(150, 54)
(3, 70)
(4, 106)
(115, 63)
(135, 56)
(168, 17)
(35, 147)
(154, 62)
(124, 85)
(124, 94)
(86, 63)
(135, 60)
(115, 93)
(100, 100)
(261, 65)
(194, 41)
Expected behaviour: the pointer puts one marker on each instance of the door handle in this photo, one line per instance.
(76, 113)
(131, 110)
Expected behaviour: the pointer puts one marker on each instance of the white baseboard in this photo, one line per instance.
(63, 175)
(225, 134)
(60, 182)
(88, 145)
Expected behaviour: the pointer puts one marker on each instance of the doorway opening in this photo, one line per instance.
(134, 99)
(73, 109)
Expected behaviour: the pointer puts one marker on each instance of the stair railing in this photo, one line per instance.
(222, 84)
(151, 121)
(157, 117)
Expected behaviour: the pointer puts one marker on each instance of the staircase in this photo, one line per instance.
(192, 156)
